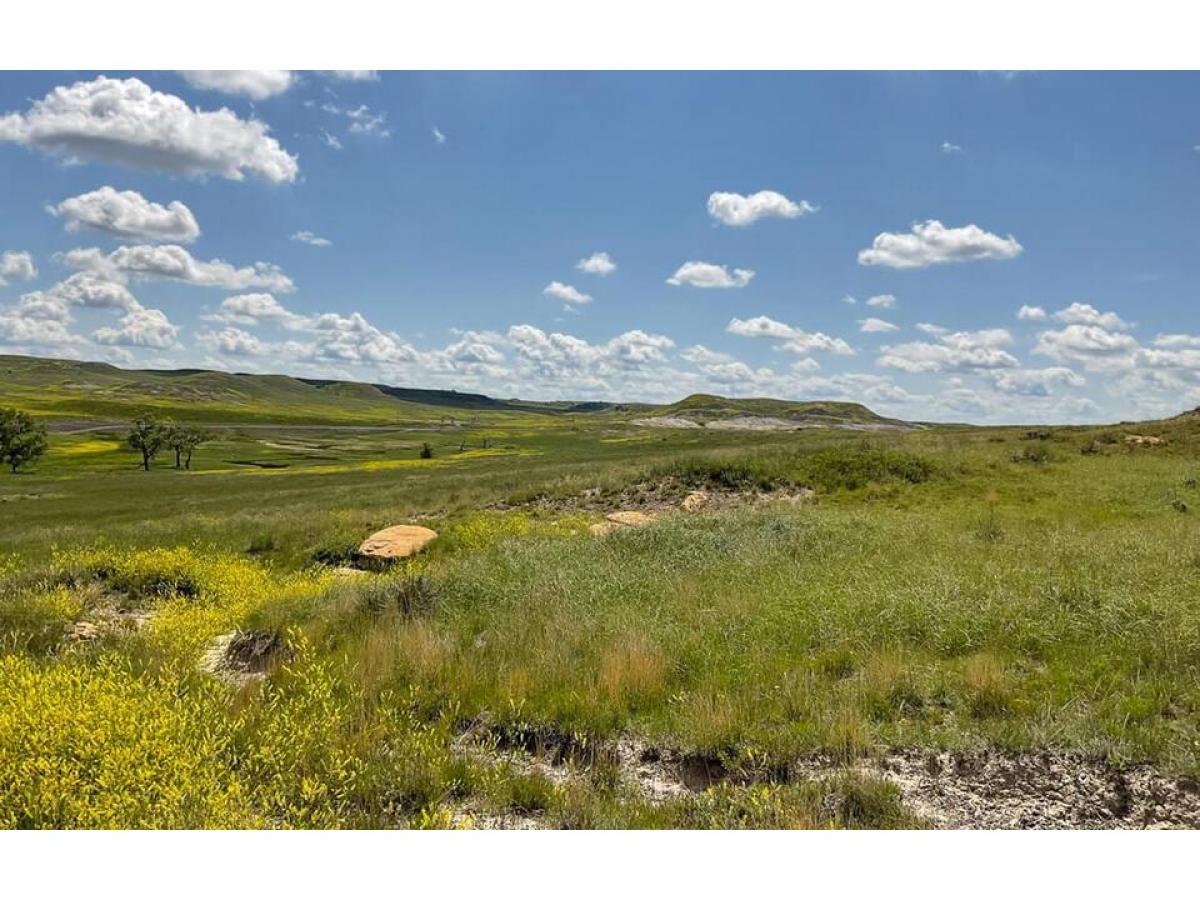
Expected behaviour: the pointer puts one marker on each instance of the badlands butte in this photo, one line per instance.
(357, 605)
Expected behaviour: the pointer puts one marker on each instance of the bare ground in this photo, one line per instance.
(988, 789)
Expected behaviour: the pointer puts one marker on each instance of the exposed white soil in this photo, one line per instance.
(241, 657)
(666, 422)
(977, 790)
(1037, 790)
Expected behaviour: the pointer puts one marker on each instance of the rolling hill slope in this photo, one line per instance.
(763, 414)
(69, 390)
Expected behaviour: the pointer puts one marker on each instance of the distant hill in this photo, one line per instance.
(73, 390)
(66, 389)
(763, 414)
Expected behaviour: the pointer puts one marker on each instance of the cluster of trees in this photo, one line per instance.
(150, 437)
(22, 440)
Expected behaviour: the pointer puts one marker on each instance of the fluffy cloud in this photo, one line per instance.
(1031, 313)
(710, 275)
(255, 309)
(438, 137)
(1033, 382)
(565, 292)
(87, 289)
(930, 328)
(1177, 340)
(257, 84)
(1086, 314)
(740, 210)
(307, 237)
(931, 242)
(127, 214)
(140, 327)
(354, 339)
(950, 149)
(21, 330)
(792, 339)
(170, 261)
(873, 324)
(234, 342)
(126, 122)
(723, 369)
(597, 264)
(42, 317)
(882, 301)
(957, 351)
(1092, 345)
(354, 74)
(18, 265)
(567, 359)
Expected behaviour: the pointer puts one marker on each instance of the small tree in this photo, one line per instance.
(193, 438)
(148, 436)
(22, 440)
(184, 440)
(426, 451)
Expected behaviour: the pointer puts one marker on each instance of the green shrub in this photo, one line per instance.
(852, 468)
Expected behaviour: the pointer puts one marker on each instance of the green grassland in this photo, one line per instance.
(947, 587)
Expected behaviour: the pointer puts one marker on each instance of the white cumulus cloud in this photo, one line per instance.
(597, 264)
(1031, 313)
(140, 327)
(565, 292)
(257, 84)
(740, 210)
(882, 301)
(791, 338)
(873, 324)
(931, 242)
(170, 261)
(307, 237)
(125, 121)
(128, 215)
(1086, 314)
(956, 351)
(16, 265)
(710, 275)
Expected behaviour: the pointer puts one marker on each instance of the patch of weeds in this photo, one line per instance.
(988, 528)
(406, 594)
(726, 474)
(985, 681)
(837, 664)
(1032, 455)
(1071, 595)
(35, 621)
(851, 801)
(847, 736)
(528, 792)
(889, 688)
(335, 553)
(262, 543)
(851, 468)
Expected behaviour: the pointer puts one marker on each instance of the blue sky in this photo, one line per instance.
(451, 212)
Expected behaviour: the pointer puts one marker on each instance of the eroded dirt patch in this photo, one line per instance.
(978, 790)
(663, 495)
(243, 656)
(1038, 790)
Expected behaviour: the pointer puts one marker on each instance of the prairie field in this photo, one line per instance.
(847, 629)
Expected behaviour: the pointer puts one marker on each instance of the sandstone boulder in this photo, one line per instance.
(397, 542)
